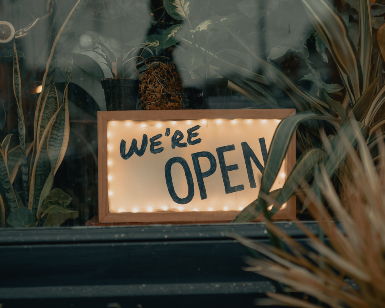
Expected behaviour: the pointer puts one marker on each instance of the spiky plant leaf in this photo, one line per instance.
(14, 159)
(20, 123)
(7, 191)
(365, 41)
(332, 31)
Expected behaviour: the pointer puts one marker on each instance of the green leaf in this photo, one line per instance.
(278, 148)
(21, 217)
(56, 197)
(14, 159)
(332, 31)
(3, 114)
(172, 35)
(5, 144)
(178, 9)
(332, 87)
(302, 171)
(7, 191)
(80, 97)
(365, 41)
(57, 218)
(362, 107)
(192, 58)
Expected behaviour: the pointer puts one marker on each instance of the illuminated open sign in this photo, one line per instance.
(198, 165)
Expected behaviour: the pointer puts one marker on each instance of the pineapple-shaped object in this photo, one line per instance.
(161, 88)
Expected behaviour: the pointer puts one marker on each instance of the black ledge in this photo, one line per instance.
(134, 266)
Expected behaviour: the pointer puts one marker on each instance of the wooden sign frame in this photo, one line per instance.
(103, 117)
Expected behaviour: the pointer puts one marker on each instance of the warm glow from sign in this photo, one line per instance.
(208, 165)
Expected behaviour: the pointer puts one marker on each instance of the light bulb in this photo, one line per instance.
(277, 121)
(180, 208)
(219, 121)
(110, 177)
(225, 208)
(143, 125)
(211, 209)
(284, 206)
(263, 121)
(121, 210)
(188, 122)
(234, 121)
(149, 209)
(109, 135)
(270, 207)
(113, 123)
(164, 208)
(110, 193)
(204, 122)
(109, 162)
(159, 125)
(135, 210)
(173, 122)
(240, 208)
(248, 121)
(283, 175)
(195, 210)
(39, 89)
(128, 123)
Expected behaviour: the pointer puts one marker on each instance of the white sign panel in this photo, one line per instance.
(184, 166)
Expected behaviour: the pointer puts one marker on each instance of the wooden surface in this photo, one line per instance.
(221, 216)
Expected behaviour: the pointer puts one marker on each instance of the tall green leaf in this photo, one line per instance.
(278, 149)
(301, 171)
(14, 159)
(20, 123)
(365, 41)
(6, 187)
(333, 33)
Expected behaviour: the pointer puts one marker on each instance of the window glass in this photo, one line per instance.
(211, 54)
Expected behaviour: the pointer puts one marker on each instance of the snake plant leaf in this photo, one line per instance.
(301, 171)
(14, 159)
(47, 184)
(20, 122)
(57, 47)
(321, 47)
(179, 9)
(278, 148)
(172, 35)
(365, 41)
(6, 187)
(41, 167)
(4, 146)
(2, 212)
(48, 109)
(250, 212)
(338, 151)
(375, 105)
(333, 33)
(3, 114)
(361, 108)
(21, 217)
(59, 136)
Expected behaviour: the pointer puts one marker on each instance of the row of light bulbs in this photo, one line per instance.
(181, 208)
(189, 122)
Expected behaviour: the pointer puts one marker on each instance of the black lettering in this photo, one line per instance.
(198, 171)
(191, 134)
(154, 143)
(133, 148)
(176, 138)
(249, 155)
(225, 169)
(263, 149)
(170, 184)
